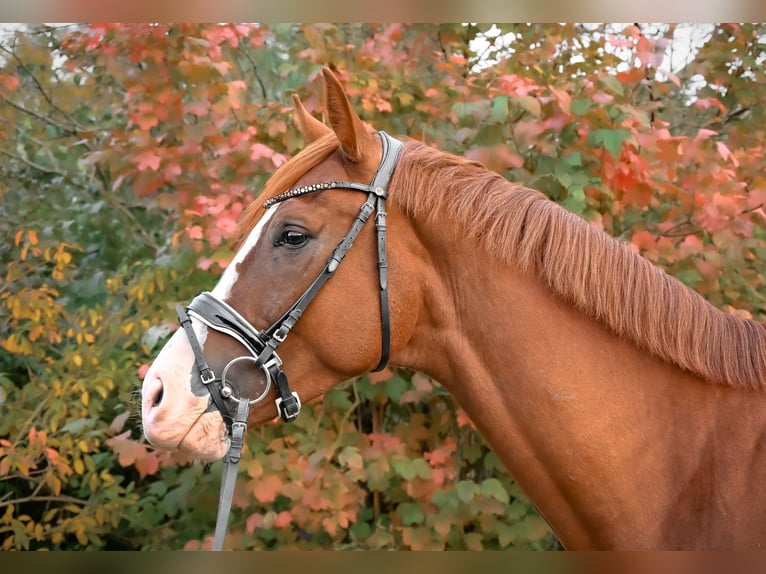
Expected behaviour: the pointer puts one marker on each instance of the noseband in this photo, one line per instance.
(262, 345)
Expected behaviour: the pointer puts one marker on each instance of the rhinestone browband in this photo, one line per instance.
(296, 191)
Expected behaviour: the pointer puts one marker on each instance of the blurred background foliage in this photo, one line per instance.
(128, 153)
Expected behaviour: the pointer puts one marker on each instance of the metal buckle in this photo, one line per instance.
(206, 380)
(289, 408)
(281, 333)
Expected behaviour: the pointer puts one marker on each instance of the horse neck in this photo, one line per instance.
(614, 447)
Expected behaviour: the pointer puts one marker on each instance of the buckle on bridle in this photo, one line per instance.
(289, 407)
(281, 333)
(207, 376)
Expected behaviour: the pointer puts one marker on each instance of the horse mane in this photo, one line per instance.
(597, 274)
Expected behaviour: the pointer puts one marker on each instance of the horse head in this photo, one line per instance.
(293, 240)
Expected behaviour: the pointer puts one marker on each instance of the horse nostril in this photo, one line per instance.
(158, 397)
(154, 391)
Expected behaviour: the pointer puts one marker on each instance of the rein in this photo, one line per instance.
(262, 345)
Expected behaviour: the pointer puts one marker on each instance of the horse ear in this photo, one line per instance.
(311, 128)
(353, 136)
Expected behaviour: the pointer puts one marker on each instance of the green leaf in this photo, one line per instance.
(493, 488)
(466, 490)
(338, 400)
(689, 277)
(443, 498)
(492, 462)
(574, 159)
(471, 110)
(575, 201)
(360, 530)
(529, 104)
(611, 84)
(580, 106)
(534, 527)
(410, 513)
(611, 139)
(422, 468)
(506, 535)
(395, 386)
(404, 468)
(499, 110)
(77, 426)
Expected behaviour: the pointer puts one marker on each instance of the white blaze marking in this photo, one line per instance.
(230, 274)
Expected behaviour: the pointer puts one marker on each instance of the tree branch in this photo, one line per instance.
(255, 73)
(40, 88)
(34, 165)
(46, 498)
(68, 130)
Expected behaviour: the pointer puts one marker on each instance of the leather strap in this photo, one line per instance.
(385, 319)
(229, 473)
(211, 382)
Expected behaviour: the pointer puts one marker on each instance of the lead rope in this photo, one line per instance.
(229, 473)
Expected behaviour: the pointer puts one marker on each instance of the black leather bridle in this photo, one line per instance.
(262, 345)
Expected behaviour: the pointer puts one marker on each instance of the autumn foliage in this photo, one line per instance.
(129, 152)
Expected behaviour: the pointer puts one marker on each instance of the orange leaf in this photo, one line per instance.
(147, 160)
(194, 232)
(146, 122)
(644, 240)
(726, 154)
(147, 463)
(283, 519)
(383, 106)
(267, 488)
(631, 76)
(10, 83)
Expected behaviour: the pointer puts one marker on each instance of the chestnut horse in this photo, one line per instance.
(630, 410)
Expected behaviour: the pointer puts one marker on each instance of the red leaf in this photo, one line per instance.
(10, 83)
(644, 240)
(146, 122)
(147, 160)
(171, 170)
(726, 154)
(283, 519)
(197, 108)
(258, 151)
(756, 198)
(194, 232)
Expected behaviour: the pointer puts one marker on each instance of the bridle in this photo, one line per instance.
(262, 345)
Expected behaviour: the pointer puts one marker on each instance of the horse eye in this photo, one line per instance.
(291, 238)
